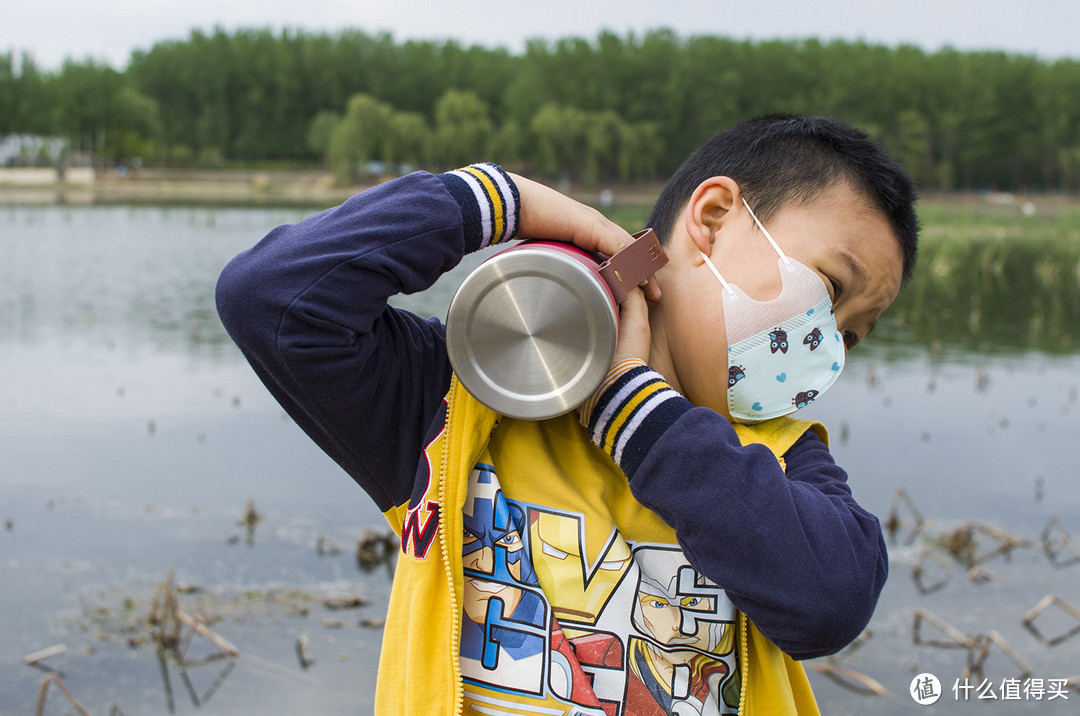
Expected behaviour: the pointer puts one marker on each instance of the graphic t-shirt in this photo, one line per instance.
(579, 609)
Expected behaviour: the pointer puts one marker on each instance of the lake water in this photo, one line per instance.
(133, 435)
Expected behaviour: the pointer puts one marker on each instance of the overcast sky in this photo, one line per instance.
(51, 30)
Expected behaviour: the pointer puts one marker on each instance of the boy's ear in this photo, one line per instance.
(708, 208)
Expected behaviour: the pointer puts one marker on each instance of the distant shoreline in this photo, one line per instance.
(223, 187)
(318, 189)
(216, 187)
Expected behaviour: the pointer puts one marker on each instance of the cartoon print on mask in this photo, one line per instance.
(684, 657)
(813, 338)
(735, 374)
(757, 338)
(506, 620)
(778, 340)
(804, 398)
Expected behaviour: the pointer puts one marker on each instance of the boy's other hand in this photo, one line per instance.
(547, 214)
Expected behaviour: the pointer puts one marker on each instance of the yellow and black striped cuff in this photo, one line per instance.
(614, 373)
(489, 201)
(631, 414)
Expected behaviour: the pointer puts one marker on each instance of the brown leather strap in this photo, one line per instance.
(633, 264)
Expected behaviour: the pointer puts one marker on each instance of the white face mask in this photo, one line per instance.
(783, 353)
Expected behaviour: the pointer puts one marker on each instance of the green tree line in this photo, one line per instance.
(614, 108)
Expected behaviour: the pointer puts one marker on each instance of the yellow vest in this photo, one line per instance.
(419, 670)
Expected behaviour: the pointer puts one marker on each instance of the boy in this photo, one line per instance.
(664, 548)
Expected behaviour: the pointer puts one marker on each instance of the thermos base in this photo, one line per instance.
(531, 333)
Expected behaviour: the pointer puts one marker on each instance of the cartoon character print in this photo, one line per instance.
(506, 620)
(734, 375)
(579, 663)
(778, 340)
(683, 660)
(804, 398)
(585, 583)
(640, 629)
(512, 649)
(813, 338)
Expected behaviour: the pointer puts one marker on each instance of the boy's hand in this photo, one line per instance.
(632, 350)
(547, 214)
(635, 336)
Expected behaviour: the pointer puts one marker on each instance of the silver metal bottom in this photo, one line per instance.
(531, 333)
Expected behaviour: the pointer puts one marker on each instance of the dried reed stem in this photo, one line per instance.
(53, 678)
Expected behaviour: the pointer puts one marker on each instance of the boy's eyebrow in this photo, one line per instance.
(856, 269)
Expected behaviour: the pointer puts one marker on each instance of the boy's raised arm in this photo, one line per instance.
(308, 308)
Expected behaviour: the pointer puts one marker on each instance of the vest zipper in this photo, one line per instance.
(744, 662)
(455, 621)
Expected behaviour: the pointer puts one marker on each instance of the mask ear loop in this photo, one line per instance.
(725, 284)
(772, 242)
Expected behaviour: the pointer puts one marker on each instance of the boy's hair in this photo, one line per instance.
(784, 160)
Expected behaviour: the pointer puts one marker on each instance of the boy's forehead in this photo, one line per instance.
(845, 231)
(857, 224)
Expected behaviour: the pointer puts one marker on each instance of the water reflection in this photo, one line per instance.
(121, 276)
(173, 630)
(165, 659)
(989, 297)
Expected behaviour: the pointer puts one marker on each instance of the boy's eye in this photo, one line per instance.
(837, 289)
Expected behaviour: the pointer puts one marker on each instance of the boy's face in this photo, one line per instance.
(838, 235)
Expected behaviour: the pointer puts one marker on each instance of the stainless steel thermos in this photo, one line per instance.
(532, 331)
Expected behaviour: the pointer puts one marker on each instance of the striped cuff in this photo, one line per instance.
(631, 413)
(489, 201)
(614, 373)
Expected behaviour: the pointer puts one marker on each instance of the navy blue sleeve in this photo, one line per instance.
(308, 308)
(791, 548)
